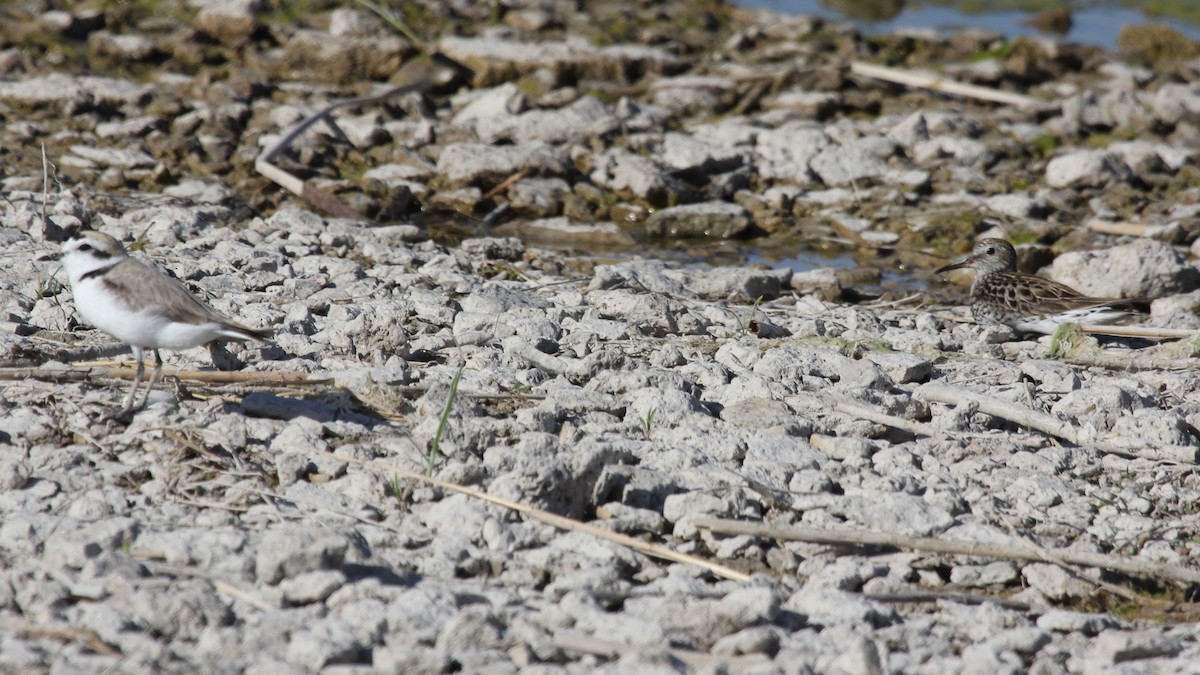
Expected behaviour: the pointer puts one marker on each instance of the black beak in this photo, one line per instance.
(956, 265)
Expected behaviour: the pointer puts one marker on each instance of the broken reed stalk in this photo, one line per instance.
(937, 595)
(911, 78)
(1124, 229)
(1149, 332)
(236, 593)
(324, 114)
(1069, 346)
(443, 69)
(220, 585)
(1049, 424)
(397, 23)
(39, 357)
(83, 636)
(1127, 362)
(870, 414)
(561, 522)
(997, 407)
(88, 373)
(1133, 567)
(505, 184)
(865, 412)
(310, 193)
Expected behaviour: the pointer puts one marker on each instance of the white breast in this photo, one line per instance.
(149, 328)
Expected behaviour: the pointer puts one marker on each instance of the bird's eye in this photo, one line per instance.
(991, 250)
(85, 247)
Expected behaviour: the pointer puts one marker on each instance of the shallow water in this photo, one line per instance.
(1097, 23)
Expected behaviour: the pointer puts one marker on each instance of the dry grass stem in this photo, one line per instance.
(1049, 424)
(87, 638)
(561, 522)
(265, 165)
(1134, 567)
(87, 373)
(910, 78)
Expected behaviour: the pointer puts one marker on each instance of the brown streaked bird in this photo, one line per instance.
(141, 306)
(1002, 295)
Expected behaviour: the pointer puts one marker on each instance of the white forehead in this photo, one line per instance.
(92, 241)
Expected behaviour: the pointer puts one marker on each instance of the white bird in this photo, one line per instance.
(140, 306)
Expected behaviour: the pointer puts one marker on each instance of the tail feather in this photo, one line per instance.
(237, 331)
(1137, 305)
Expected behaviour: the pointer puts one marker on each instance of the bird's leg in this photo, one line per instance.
(138, 373)
(158, 365)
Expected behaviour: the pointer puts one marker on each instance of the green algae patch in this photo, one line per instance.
(1156, 45)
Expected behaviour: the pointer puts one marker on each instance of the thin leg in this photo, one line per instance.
(158, 364)
(137, 380)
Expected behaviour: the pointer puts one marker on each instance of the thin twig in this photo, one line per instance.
(319, 198)
(870, 414)
(884, 304)
(271, 153)
(317, 508)
(189, 444)
(1049, 424)
(417, 390)
(87, 638)
(310, 193)
(494, 215)
(1052, 557)
(572, 369)
(1130, 566)
(86, 373)
(1125, 229)
(1150, 332)
(505, 184)
(913, 79)
(1127, 362)
(239, 594)
(959, 597)
(390, 17)
(103, 351)
(45, 185)
(220, 585)
(865, 412)
(561, 522)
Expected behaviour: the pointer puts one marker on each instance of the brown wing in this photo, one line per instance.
(1028, 295)
(144, 286)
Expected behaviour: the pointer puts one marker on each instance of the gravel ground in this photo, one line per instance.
(252, 524)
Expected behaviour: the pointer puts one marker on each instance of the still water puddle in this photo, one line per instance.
(1092, 23)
